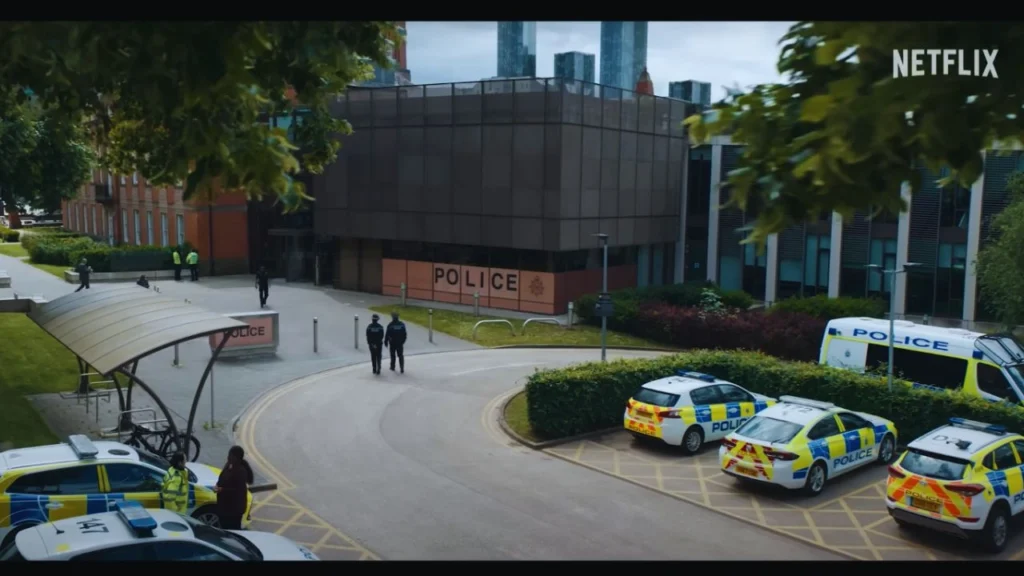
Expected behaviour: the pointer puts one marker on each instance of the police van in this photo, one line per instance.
(990, 366)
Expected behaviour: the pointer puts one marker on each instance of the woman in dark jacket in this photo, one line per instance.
(232, 489)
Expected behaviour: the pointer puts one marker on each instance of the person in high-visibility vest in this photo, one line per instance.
(174, 492)
(177, 264)
(193, 264)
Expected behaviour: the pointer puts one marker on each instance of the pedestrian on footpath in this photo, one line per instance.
(176, 255)
(374, 341)
(84, 270)
(193, 264)
(263, 285)
(174, 491)
(233, 489)
(395, 336)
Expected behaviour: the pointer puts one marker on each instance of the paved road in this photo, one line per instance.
(413, 467)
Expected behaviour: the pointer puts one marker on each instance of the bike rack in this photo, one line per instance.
(522, 331)
(76, 395)
(119, 433)
(510, 326)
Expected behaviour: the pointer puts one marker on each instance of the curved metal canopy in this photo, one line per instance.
(109, 328)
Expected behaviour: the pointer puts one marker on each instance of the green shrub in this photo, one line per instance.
(590, 397)
(104, 258)
(36, 236)
(821, 306)
(8, 235)
(628, 300)
(55, 250)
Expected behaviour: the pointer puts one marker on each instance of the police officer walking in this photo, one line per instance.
(395, 336)
(193, 264)
(263, 285)
(174, 491)
(375, 340)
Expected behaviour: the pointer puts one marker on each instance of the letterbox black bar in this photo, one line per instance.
(202, 382)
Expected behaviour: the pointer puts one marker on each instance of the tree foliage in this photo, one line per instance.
(1001, 261)
(182, 102)
(842, 134)
(44, 156)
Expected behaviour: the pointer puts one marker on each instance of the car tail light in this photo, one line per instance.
(773, 454)
(966, 489)
(896, 473)
(729, 443)
(669, 414)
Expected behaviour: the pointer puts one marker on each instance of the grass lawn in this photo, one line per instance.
(57, 271)
(31, 362)
(515, 417)
(13, 249)
(460, 325)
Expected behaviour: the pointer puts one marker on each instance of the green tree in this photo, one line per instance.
(181, 102)
(44, 157)
(1001, 261)
(842, 134)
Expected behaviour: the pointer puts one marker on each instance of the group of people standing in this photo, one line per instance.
(232, 488)
(192, 259)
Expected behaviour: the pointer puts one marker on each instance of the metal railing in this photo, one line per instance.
(511, 328)
(522, 331)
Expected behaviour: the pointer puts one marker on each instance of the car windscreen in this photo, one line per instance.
(656, 398)
(934, 465)
(10, 553)
(771, 430)
(224, 540)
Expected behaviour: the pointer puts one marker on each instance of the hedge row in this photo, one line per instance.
(65, 248)
(791, 336)
(821, 306)
(590, 397)
(8, 235)
(628, 301)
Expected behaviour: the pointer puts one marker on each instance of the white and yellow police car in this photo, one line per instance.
(133, 533)
(44, 483)
(962, 479)
(690, 409)
(801, 444)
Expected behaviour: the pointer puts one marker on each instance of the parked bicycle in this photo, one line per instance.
(163, 443)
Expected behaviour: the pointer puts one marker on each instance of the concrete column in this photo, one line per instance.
(973, 246)
(835, 256)
(899, 291)
(716, 172)
(771, 284)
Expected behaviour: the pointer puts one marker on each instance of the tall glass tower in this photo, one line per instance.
(517, 49)
(692, 91)
(575, 66)
(623, 53)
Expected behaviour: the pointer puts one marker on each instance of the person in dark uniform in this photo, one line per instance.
(375, 341)
(263, 285)
(83, 270)
(395, 337)
(232, 489)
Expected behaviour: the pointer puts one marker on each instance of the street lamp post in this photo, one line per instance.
(604, 293)
(892, 309)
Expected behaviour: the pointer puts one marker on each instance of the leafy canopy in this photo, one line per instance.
(1001, 261)
(841, 133)
(181, 102)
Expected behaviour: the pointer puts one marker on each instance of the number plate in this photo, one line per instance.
(637, 427)
(643, 414)
(746, 471)
(923, 504)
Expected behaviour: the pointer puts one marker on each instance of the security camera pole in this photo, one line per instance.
(892, 308)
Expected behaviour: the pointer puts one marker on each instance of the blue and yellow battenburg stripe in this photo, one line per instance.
(841, 445)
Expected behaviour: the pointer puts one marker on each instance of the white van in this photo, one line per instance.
(990, 366)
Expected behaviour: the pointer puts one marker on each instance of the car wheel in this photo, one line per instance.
(887, 451)
(207, 515)
(693, 439)
(14, 532)
(817, 476)
(997, 529)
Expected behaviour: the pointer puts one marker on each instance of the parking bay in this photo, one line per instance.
(848, 517)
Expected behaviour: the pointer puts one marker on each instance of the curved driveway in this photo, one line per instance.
(413, 466)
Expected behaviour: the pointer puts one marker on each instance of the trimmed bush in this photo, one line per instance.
(628, 301)
(821, 306)
(590, 397)
(8, 235)
(790, 336)
(52, 234)
(104, 258)
(55, 250)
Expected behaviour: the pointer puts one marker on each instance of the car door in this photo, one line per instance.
(993, 385)
(859, 437)
(55, 494)
(1006, 474)
(825, 440)
(846, 354)
(739, 407)
(1017, 499)
(710, 411)
(130, 481)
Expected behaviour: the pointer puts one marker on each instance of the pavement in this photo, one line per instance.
(413, 466)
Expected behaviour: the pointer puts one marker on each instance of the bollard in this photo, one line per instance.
(315, 322)
(355, 332)
(569, 324)
(476, 303)
(430, 324)
(177, 362)
(403, 294)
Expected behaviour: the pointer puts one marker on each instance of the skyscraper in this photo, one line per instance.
(574, 66)
(691, 91)
(517, 49)
(623, 53)
(396, 73)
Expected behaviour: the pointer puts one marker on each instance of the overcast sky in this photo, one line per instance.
(722, 53)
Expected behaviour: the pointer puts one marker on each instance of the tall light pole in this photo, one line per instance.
(604, 293)
(892, 308)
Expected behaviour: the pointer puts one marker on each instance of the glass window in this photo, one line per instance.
(170, 551)
(827, 427)
(138, 229)
(164, 240)
(991, 381)
(1004, 457)
(934, 465)
(769, 430)
(931, 369)
(180, 221)
(11, 554)
(124, 225)
(224, 540)
(135, 177)
(705, 395)
(656, 398)
(730, 393)
(853, 422)
(130, 553)
(1018, 445)
(95, 230)
(61, 482)
(130, 478)
(149, 228)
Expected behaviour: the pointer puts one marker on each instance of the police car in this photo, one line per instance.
(962, 479)
(46, 483)
(133, 533)
(801, 444)
(690, 409)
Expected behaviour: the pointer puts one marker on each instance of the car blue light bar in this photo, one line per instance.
(696, 375)
(980, 426)
(807, 402)
(82, 446)
(136, 516)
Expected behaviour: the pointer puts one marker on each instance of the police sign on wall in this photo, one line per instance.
(495, 287)
(261, 336)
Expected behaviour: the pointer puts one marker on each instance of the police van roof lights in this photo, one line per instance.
(696, 375)
(136, 517)
(980, 426)
(807, 402)
(82, 446)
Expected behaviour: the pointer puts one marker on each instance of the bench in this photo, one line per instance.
(5, 279)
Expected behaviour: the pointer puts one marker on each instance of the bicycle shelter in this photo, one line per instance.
(112, 329)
